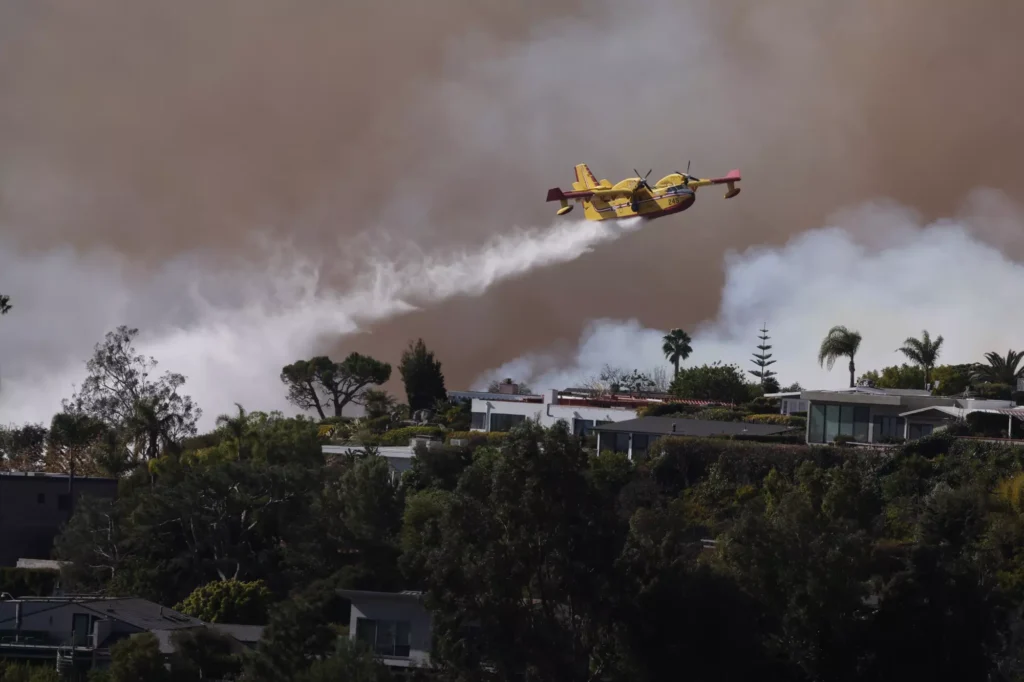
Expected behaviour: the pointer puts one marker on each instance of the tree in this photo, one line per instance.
(378, 403)
(236, 428)
(762, 360)
(896, 376)
(203, 654)
(840, 342)
(120, 391)
(528, 553)
(74, 444)
(521, 388)
(23, 447)
(154, 428)
(421, 374)
(228, 601)
(923, 352)
(676, 347)
(137, 658)
(953, 379)
(320, 383)
(715, 382)
(1001, 370)
(5, 304)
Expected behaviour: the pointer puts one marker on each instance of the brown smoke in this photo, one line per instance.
(157, 128)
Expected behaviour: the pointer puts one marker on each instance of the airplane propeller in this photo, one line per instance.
(643, 180)
(635, 204)
(686, 176)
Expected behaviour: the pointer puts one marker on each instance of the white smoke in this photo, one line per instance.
(230, 332)
(878, 269)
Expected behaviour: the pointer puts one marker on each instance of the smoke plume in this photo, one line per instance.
(145, 143)
(877, 269)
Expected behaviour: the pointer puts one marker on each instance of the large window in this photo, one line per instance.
(622, 442)
(828, 421)
(640, 443)
(919, 430)
(888, 428)
(582, 427)
(505, 422)
(478, 420)
(385, 637)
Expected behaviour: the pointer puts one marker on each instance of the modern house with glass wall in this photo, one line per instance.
(635, 437)
(874, 415)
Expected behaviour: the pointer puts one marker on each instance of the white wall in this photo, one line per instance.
(548, 413)
(397, 608)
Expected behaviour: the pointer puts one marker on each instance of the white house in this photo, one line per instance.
(395, 625)
(501, 411)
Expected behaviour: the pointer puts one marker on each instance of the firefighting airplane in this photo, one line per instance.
(633, 197)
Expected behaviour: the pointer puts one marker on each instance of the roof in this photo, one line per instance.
(49, 475)
(668, 426)
(247, 634)
(139, 613)
(405, 595)
(963, 411)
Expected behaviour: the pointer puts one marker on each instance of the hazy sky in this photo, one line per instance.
(252, 181)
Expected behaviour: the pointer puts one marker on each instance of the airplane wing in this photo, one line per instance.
(556, 194)
(731, 176)
(730, 179)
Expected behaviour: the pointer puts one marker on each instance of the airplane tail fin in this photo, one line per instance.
(585, 178)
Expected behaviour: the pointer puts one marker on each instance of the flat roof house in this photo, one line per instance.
(581, 409)
(877, 416)
(635, 436)
(35, 505)
(396, 626)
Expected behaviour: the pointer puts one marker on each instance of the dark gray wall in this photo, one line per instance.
(33, 509)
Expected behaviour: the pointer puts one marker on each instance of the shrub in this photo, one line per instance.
(25, 582)
(779, 419)
(721, 414)
(668, 409)
(404, 435)
(228, 601)
(478, 438)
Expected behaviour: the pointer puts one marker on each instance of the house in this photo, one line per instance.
(399, 457)
(76, 632)
(635, 436)
(395, 625)
(583, 410)
(874, 416)
(35, 505)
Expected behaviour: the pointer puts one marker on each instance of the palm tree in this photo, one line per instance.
(237, 430)
(923, 352)
(1000, 370)
(676, 347)
(153, 428)
(840, 342)
(377, 403)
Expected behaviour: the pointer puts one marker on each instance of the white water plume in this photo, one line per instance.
(231, 332)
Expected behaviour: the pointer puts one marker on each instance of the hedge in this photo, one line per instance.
(478, 438)
(779, 419)
(678, 462)
(27, 582)
(403, 435)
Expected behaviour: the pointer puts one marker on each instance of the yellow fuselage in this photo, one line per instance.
(646, 204)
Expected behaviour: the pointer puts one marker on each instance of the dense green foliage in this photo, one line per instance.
(714, 382)
(716, 558)
(422, 376)
(228, 601)
(25, 582)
